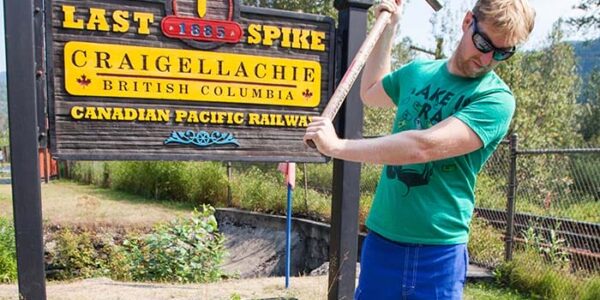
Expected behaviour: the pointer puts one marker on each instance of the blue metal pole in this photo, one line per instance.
(288, 237)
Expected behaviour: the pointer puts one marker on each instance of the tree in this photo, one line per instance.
(446, 27)
(320, 7)
(590, 20)
(589, 124)
(545, 84)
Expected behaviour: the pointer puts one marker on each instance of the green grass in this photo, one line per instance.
(582, 211)
(489, 291)
(69, 203)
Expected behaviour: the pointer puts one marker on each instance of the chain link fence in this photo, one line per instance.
(551, 198)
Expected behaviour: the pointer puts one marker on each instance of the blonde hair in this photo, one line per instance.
(513, 18)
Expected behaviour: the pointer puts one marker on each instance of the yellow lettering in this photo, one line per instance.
(104, 113)
(253, 119)
(296, 38)
(130, 114)
(193, 117)
(317, 41)
(238, 118)
(304, 38)
(121, 19)
(90, 113)
(97, 20)
(204, 117)
(151, 115)
(117, 114)
(163, 115)
(254, 36)
(265, 119)
(143, 20)
(69, 21)
(285, 42)
(304, 121)
(180, 115)
(271, 33)
(77, 112)
(291, 120)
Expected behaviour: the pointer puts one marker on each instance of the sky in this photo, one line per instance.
(415, 22)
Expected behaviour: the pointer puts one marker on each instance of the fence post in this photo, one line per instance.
(229, 184)
(305, 189)
(512, 192)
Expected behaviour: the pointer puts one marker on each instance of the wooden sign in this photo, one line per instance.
(185, 80)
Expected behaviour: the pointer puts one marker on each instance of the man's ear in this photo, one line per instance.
(467, 20)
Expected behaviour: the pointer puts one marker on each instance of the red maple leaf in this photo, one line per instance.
(307, 94)
(84, 81)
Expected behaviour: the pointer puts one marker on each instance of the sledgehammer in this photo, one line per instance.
(342, 90)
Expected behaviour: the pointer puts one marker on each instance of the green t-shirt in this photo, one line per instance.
(432, 203)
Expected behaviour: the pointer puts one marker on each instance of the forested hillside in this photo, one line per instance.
(588, 56)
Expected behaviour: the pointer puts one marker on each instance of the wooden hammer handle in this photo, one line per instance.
(342, 90)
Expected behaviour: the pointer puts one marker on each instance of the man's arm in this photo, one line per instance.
(449, 138)
(379, 62)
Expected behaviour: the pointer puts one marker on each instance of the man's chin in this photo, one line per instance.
(478, 72)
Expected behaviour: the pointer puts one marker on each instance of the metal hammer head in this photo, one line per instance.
(436, 5)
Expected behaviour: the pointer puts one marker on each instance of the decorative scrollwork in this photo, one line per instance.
(201, 138)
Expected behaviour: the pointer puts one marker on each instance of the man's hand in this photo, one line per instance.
(322, 133)
(395, 7)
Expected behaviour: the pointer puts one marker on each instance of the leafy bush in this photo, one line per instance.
(206, 183)
(585, 172)
(530, 272)
(490, 192)
(485, 243)
(591, 289)
(369, 177)
(8, 253)
(320, 177)
(155, 179)
(185, 251)
(75, 257)
(258, 191)
(91, 172)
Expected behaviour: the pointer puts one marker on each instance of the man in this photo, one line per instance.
(451, 116)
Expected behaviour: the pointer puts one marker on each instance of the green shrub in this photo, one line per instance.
(585, 175)
(320, 177)
(91, 172)
(531, 273)
(591, 289)
(184, 251)
(486, 246)
(205, 183)
(75, 256)
(369, 177)
(8, 253)
(255, 190)
(192, 182)
(490, 192)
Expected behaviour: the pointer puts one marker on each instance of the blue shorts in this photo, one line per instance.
(391, 270)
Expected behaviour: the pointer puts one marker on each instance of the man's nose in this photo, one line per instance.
(486, 58)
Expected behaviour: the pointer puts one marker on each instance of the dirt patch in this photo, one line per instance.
(309, 288)
(72, 204)
(254, 252)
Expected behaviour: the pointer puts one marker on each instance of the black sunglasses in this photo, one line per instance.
(483, 44)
